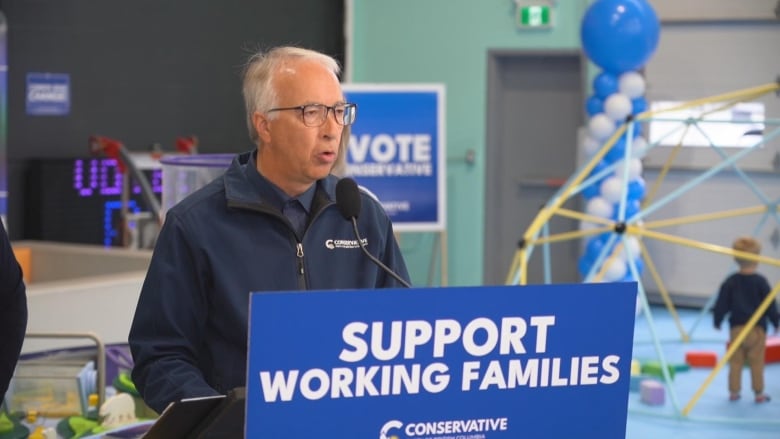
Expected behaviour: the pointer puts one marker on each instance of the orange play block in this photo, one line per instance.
(701, 358)
(772, 350)
(24, 257)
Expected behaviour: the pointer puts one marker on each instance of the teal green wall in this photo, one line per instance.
(447, 41)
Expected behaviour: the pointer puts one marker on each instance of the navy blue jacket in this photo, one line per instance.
(13, 311)
(739, 297)
(189, 334)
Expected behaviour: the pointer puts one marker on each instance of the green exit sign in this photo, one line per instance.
(534, 16)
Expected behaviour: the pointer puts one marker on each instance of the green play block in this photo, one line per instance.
(11, 428)
(654, 368)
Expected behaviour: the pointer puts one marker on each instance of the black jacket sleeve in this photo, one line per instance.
(13, 311)
(772, 313)
(169, 323)
(722, 305)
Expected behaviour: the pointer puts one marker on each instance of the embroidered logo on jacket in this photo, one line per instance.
(345, 243)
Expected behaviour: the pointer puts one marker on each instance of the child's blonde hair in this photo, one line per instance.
(748, 245)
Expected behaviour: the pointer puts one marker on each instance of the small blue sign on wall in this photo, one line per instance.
(48, 94)
(539, 361)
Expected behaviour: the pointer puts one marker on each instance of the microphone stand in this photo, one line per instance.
(374, 259)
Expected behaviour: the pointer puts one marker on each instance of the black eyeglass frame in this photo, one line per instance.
(321, 121)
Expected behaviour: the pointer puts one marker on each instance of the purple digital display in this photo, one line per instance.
(101, 176)
(99, 179)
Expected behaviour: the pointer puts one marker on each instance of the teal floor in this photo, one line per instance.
(712, 415)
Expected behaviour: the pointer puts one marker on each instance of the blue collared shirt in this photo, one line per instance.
(296, 209)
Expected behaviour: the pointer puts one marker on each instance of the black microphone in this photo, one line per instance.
(348, 202)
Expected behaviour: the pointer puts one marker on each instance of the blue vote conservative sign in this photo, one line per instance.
(396, 151)
(542, 361)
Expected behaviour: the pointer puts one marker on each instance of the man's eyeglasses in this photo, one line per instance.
(314, 115)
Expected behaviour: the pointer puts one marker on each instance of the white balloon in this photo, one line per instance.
(634, 168)
(587, 225)
(612, 189)
(599, 207)
(616, 269)
(601, 126)
(590, 146)
(632, 84)
(638, 147)
(633, 247)
(617, 106)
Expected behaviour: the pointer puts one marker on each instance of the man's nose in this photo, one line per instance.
(331, 128)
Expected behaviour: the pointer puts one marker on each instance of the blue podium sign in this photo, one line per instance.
(396, 150)
(548, 361)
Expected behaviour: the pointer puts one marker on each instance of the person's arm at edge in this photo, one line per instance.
(13, 311)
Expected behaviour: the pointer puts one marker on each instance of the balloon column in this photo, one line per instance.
(619, 36)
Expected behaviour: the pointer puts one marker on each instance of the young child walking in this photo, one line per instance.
(740, 296)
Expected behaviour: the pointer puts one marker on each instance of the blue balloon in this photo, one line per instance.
(593, 248)
(638, 105)
(620, 35)
(605, 84)
(632, 208)
(594, 105)
(598, 168)
(615, 211)
(637, 130)
(594, 188)
(617, 152)
(583, 265)
(591, 191)
(636, 189)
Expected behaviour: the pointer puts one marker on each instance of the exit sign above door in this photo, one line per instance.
(534, 16)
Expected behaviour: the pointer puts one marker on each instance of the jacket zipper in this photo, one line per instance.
(302, 285)
(299, 246)
(301, 272)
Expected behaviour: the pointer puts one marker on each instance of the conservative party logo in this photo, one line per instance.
(345, 243)
(461, 428)
(390, 428)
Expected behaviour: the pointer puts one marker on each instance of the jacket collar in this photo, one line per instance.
(240, 190)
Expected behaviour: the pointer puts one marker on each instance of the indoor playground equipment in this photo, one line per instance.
(184, 174)
(63, 389)
(616, 223)
(139, 228)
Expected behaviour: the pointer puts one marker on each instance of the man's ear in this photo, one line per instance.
(261, 123)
